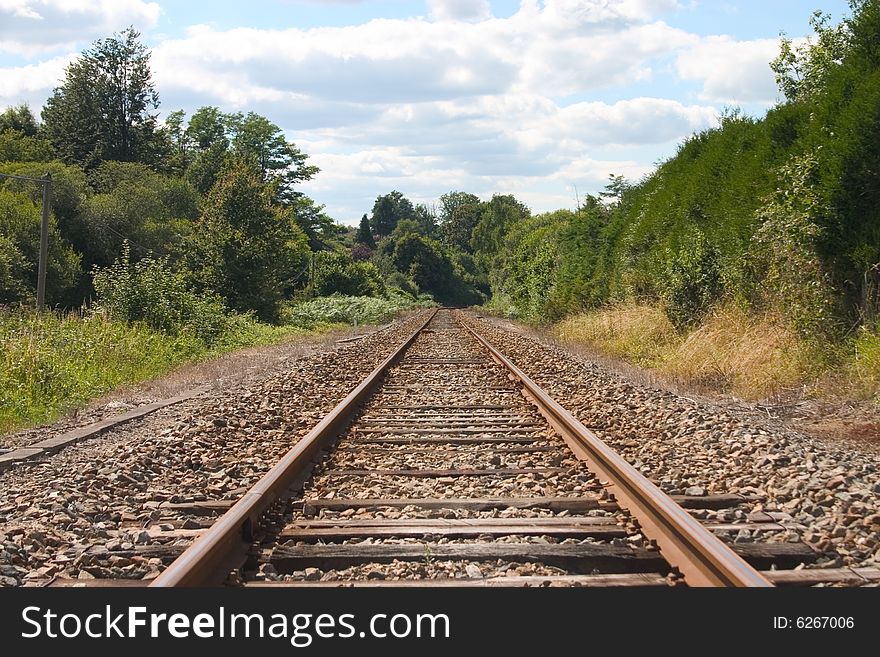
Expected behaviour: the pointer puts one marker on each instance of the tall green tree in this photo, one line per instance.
(279, 161)
(388, 210)
(459, 214)
(245, 248)
(101, 111)
(207, 126)
(497, 218)
(364, 234)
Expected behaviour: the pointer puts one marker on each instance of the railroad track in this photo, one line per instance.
(448, 466)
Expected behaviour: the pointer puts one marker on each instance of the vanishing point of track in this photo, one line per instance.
(495, 472)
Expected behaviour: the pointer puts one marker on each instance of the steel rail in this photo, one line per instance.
(224, 546)
(702, 558)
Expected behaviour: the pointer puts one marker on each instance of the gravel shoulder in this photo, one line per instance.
(828, 485)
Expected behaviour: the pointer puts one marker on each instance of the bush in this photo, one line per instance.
(692, 280)
(339, 309)
(150, 291)
(337, 273)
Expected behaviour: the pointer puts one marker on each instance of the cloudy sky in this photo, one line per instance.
(538, 98)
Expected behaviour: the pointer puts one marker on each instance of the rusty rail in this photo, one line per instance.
(220, 549)
(702, 558)
(684, 542)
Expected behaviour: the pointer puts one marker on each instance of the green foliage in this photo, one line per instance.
(314, 222)
(19, 147)
(786, 261)
(388, 210)
(338, 273)
(364, 234)
(206, 166)
(802, 71)
(243, 247)
(430, 267)
(53, 362)
(211, 136)
(353, 310)
(256, 139)
(497, 218)
(150, 291)
(459, 214)
(132, 203)
(691, 280)
(526, 274)
(101, 111)
(19, 118)
(20, 219)
(12, 264)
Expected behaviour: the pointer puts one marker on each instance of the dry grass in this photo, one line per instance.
(638, 333)
(752, 357)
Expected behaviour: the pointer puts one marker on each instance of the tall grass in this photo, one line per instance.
(53, 362)
(731, 351)
(640, 334)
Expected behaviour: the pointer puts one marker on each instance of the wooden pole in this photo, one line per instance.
(44, 242)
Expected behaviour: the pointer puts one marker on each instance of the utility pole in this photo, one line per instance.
(44, 242)
(46, 182)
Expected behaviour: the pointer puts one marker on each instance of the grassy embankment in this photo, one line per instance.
(752, 357)
(52, 362)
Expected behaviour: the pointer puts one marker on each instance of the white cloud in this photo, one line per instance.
(731, 71)
(30, 83)
(462, 100)
(459, 10)
(28, 27)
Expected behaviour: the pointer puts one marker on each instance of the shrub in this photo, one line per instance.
(150, 291)
(338, 273)
(339, 309)
(692, 280)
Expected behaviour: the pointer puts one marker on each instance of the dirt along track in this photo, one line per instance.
(449, 474)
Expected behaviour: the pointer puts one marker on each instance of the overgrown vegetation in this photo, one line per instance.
(187, 237)
(351, 310)
(52, 362)
(759, 239)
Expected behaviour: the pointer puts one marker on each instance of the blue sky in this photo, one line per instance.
(535, 98)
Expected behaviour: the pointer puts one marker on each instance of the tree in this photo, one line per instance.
(314, 222)
(427, 220)
(388, 210)
(16, 146)
(20, 220)
(338, 273)
(802, 70)
(245, 248)
(207, 126)
(179, 145)
(205, 168)
(19, 118)
(459, 214)
(364, 234)
(280, 162)
(101, 111)
(497, 218)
